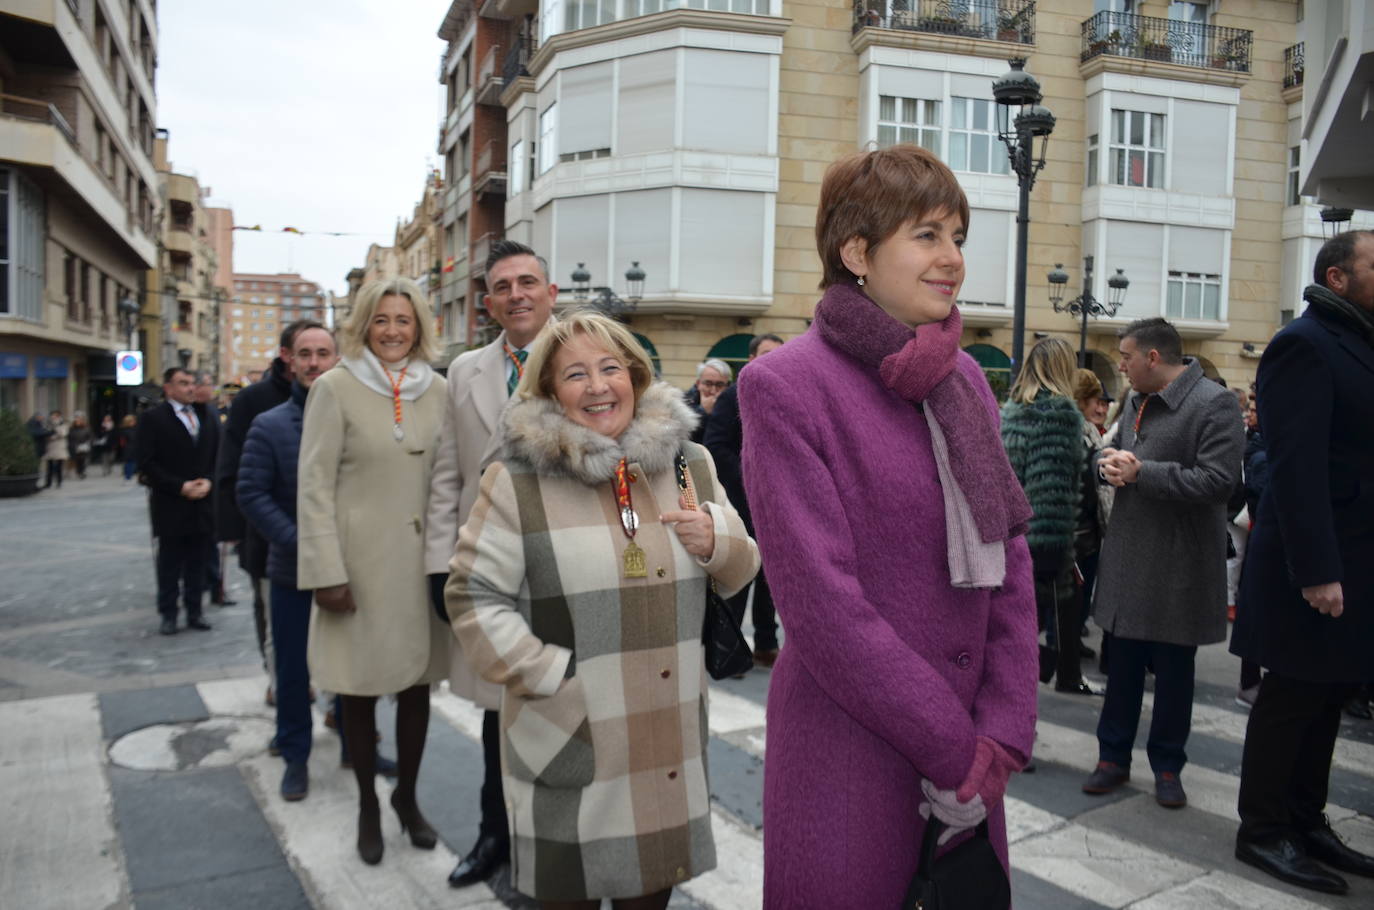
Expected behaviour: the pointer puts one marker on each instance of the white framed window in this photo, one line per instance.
(1294, 184)
(548, 138)
(1137, 148)
(1092, 161)
(517, 167)
(973, 143)
(588, 13)
(1193, 295)
(757, 7)
(914, 120)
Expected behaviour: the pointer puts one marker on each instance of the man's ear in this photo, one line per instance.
(1337, 280)
(854, 255)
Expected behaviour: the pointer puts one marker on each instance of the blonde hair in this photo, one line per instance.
(1049, 367)
(537, 379)
(353, 335)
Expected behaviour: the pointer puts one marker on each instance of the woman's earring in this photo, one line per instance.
(861, 281)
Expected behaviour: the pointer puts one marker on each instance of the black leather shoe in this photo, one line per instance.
(1286, 861)
(1326, 845)
(168, 626)
(1078, 688)
(197, 623)
(1169, 791)
(1106, 778)
(486, 855)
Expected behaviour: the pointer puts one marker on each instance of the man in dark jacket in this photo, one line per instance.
(724, 436)
(40, 433)
(176, 459)
(266, 494)
(1308, 584)
(713, 376)
(266, 393)
(1161, 584)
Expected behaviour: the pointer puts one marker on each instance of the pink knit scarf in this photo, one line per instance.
(919, 366)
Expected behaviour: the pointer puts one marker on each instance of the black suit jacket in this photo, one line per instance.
(263, 395)
(1315, 522)
(724, 437)
(167, 458)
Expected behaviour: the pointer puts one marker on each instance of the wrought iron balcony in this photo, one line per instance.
(1012, 21)
(518, 56)
(1293, 65)
(1167, 40)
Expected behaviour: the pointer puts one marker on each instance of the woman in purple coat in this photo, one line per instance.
(892, 528)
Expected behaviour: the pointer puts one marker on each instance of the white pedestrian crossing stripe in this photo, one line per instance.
(59, 845)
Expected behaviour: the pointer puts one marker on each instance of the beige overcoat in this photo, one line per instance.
(360, 513)
(476, 396)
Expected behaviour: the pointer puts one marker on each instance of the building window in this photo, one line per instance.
(973, 142)
(908, 120)
(1194, 296)
(1137, 149)
(1092, 161)
(22, 241)
(1294, 188)
(548, 144)
(587, 13)
(69, 267)
(517, 167)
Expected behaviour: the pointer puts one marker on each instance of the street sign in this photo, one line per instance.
(129, 368)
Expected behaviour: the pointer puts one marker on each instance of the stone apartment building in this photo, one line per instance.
(691, 137)
(79, 198)
(183, 304)
(262, 305)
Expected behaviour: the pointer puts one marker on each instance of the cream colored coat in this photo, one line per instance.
(360, 514)
(476, 396)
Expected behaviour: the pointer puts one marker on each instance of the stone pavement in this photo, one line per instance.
(133, 769)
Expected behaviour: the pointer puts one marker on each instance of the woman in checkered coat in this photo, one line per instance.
(579, 585)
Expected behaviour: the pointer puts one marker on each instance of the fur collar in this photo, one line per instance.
(536, 432)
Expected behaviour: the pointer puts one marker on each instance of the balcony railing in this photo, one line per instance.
(1293, 65)
(517, 58)
(480, 249)
(489, 78)
(33, 109)
(1167, 40)
(491, 159)
(996, 20)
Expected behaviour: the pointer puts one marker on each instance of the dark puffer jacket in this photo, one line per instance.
(266, 489)
(1044, 445)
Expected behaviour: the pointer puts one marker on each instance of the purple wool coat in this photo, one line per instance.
(888, 673)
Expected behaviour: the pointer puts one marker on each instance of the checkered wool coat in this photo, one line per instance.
(603, 715)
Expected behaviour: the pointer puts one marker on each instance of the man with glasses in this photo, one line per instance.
(712, 378)
(521, 300)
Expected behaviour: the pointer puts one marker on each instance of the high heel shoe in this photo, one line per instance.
(412, 822)
(370, 846)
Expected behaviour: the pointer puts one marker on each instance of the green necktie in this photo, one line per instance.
(514, 378)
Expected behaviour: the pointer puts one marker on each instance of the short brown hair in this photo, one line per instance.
(872, 194)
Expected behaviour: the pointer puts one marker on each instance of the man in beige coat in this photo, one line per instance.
(520, 299)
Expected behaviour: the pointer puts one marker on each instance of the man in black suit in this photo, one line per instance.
(1307, 593)
(176, 445)
(724, 437)
(214, 572)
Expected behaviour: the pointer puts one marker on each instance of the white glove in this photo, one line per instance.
(958, 817)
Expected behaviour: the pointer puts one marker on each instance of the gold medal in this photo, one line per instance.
(634, 561)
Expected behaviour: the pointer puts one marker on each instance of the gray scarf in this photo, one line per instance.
(1329, 303)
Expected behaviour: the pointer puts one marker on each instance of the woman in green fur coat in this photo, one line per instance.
(1042, 431)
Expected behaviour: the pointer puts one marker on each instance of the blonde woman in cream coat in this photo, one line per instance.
(367, 452)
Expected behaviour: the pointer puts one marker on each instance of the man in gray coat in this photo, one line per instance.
(1161, 584)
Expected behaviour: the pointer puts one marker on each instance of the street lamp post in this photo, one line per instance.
(605, 299)
(1085, 304)
(1018, 130)
(128, 311)
(1335, 220)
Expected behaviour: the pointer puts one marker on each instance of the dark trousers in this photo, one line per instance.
(1287, 759)
(1059, 603)
(214, 575)
(494, 823)
(290, 628)
(181, 570)
(1173, 712)
(54, 473)
(765, 617)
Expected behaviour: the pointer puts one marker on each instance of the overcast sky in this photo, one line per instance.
(320, 115)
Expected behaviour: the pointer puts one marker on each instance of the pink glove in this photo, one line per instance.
(987, 777)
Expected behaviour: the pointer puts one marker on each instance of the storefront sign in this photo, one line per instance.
(14, 366)
(50, 367)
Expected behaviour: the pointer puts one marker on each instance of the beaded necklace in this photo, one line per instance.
(396, 431)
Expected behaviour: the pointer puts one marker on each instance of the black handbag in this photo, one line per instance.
(969, 877)
(726, 650)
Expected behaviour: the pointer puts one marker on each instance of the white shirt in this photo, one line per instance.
(187, 415)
